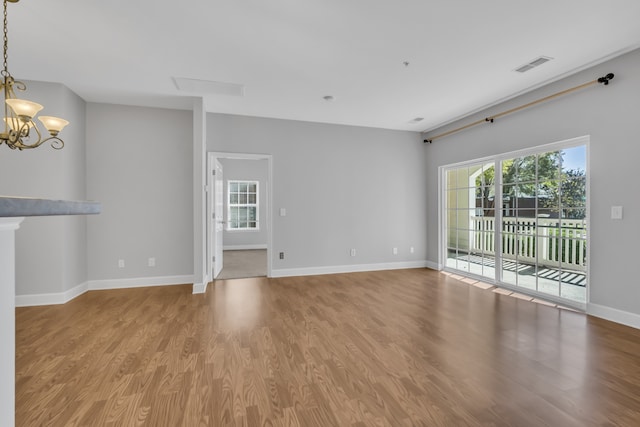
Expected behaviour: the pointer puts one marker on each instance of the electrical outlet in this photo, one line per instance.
(395, 251)
(281, 255)
(152, 262)
(352, 252)
(411, 250)
(120, 263)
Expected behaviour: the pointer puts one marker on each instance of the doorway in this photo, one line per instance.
(239, 225)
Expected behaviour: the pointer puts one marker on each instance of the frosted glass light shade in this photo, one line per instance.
(53, 124)
(24, 108)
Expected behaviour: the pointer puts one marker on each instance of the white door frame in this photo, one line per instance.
(212, 156)
(216, 205)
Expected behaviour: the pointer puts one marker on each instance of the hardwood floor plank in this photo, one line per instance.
(391, 348)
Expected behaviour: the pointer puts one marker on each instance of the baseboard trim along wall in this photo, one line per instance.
(614, 315)
(51, 299)
(139, 282)
(243, 247)
(433, 265)
(200, 288)
(95, 285)
(312, 271)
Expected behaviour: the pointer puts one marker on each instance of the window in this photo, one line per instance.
(242, 213)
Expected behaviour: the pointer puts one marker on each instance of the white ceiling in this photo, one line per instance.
(288, 54)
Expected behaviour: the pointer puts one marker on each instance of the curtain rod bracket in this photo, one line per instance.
(428, 140)
(605, 79)
(489, 119)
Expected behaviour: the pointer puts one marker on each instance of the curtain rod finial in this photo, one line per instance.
(605, 79)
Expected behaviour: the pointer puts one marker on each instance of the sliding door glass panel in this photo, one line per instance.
(544, 209)
(573, 224)
(574, 159)
(452, 246)
(463, 263)
(485, 219)
(573, 285)
(509, 259)
(470, 194)
(488, 257)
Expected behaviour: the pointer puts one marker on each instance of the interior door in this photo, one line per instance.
(218, 219)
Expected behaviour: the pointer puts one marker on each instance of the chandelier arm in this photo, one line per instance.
(16, 136)
(23, 130)
(56, 143)
(18, 85)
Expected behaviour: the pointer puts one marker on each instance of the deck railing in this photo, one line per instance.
(546, 241)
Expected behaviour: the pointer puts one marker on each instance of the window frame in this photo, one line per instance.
(231, 205)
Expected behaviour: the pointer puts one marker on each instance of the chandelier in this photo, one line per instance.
(20, 131)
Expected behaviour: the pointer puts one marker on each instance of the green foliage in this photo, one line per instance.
(573, 194)
(553, 187)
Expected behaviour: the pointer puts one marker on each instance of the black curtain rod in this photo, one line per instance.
(604, 80)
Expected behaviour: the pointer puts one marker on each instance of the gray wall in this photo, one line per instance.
(610, 115)
(247, 170)
(140, 166)
(342, 186)
(51, 252)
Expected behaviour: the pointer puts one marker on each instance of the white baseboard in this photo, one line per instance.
(51, 299)
(615, 315)
(94, 285)
(244, 247)
(312, 271)
(434, 265)
(199, 288)
(139, 282)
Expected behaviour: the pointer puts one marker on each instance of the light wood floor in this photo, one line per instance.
(394, 348)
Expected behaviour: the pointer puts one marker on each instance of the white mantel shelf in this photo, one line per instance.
(12, 213)
(24, 206)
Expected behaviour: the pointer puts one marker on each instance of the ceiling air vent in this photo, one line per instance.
(532, 64)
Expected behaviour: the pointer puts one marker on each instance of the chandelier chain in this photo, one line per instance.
(5, 38)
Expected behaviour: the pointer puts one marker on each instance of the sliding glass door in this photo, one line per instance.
(521, 220)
